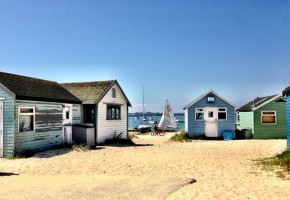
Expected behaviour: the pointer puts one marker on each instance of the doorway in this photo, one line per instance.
(211, 121)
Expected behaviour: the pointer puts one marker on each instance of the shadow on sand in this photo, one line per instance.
(8, 174)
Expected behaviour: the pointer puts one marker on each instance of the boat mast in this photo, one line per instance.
(143, 104)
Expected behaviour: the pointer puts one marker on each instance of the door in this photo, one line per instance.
(211, 122)
(1, 129)
(67, 124)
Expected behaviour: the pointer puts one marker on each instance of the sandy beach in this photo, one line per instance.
(153, 169)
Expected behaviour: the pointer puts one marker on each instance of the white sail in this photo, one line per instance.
(167, 121)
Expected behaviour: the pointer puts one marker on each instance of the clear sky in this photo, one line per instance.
(177, 50)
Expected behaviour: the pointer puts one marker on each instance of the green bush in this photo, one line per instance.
(182, 136)
(117, 139)
(27, 153)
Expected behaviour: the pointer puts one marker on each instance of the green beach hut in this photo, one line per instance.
(265, 117)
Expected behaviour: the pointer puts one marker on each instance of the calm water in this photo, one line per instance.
(136, 122)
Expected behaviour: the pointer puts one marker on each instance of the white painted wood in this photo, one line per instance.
(67, 122)
(107, 128)
(1, 129)
(211, 121)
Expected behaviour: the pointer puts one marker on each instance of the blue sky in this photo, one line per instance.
(177, 50)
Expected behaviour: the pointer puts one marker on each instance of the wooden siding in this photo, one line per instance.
(186, 120)
(107, 128)
(48, 127)
(288, 119)
(246, 121)
(271, 131)
(82, 135)
(77, 117)
(8, 123)
(196, 128)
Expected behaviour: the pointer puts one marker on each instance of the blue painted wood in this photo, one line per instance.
(197, 127)
(288, 119)
(76, 119)
(8, 121)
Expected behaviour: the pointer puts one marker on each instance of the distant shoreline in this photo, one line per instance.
(137, 114)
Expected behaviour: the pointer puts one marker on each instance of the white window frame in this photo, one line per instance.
(226, 111)
(33, 114)
(275, 114)
(197, 110)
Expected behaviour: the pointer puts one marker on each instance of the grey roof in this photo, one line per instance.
(27, 88)
(91, 92)
(255, 103)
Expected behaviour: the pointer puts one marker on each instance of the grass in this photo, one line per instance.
(117, 139)
(23, 154)
(280, 163)
(181, 137)
(80, 147)
(133, 135)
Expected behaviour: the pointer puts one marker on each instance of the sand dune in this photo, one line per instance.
(154, 169)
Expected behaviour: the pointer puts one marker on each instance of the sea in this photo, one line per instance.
(134, 122)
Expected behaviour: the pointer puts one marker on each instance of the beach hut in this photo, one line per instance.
(104, 110)
(286, 93)
(210, 115)
(35, 114)
(265, 117)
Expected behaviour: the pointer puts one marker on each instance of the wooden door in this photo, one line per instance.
(211, 122)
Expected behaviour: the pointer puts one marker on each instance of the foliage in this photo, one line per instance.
(117, 139)
(181, 137)
(133, 135)
(81, 147)
(281, 161)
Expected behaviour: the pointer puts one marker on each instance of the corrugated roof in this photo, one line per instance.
(255, 103)
(88, 92)
(27, 88)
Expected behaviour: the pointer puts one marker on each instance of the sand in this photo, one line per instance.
(154, 169)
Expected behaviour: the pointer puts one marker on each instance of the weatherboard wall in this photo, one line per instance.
(271, 131)
(8, 122)
(106, 129)
(197, 127)
(246, 120)
(288, 119)
(48, 127)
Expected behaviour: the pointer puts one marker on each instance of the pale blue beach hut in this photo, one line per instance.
(210, 115)
(286, 93)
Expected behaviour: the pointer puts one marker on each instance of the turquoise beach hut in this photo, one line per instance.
(210, 115)
(286, 93)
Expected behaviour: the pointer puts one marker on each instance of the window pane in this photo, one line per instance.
(25, 123)
(113, 92)
(222, 115)
(67, 114)
(268, 113)
(109, 113)
(199, 116)
(117, 113)
(113, 113)
(268, 119)
(26, 110)
(210, 114)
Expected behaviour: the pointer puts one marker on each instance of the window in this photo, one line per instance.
(269, 117)
(222, 114)
(26, 119)
(210, 114)
(199, 114)
(113, 92)
(210, 99)
(113, 112)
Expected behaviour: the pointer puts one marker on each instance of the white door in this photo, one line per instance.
(211, 122)
(67, 124)
(1, 129)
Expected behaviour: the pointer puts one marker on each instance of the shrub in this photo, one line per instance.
(117, 139)
(182, 136)
(27, 153)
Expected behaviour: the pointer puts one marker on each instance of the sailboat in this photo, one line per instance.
(144, 127)
(168, 120)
